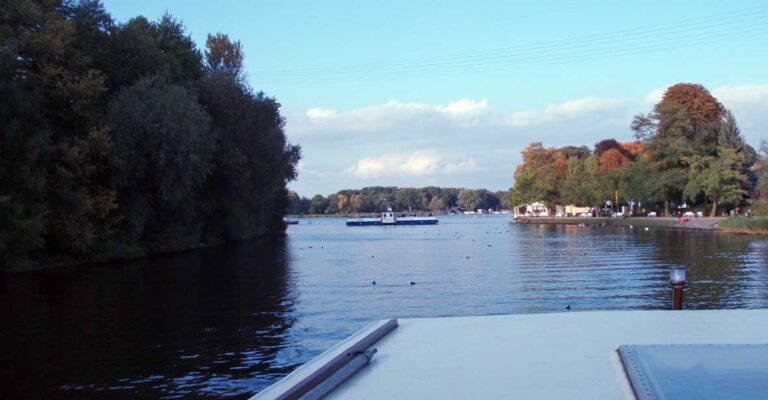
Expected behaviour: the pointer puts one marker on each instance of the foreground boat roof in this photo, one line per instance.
(542, 356)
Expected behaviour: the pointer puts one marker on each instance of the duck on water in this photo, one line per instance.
(389, 218)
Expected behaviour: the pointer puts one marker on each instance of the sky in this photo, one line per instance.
(418, 93)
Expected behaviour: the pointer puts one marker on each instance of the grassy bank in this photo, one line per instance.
(661, 222)
(753, 226)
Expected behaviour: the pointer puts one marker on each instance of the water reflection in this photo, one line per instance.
(230, 320)
(209, 322)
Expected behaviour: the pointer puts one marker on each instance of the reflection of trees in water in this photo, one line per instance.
(720, 272)
(205, 322)
(621, 268)
(589, 267)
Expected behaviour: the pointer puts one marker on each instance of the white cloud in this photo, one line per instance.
(749, 104)
(387, 116)
(320, 113)
(587, 106)
(465, 109)
(304, 171)
(652, 98)
(470, 145)
(419, 163)
(742, 95)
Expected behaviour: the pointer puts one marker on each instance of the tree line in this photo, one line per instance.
(378, 198)
(121, 139)
(688, 148)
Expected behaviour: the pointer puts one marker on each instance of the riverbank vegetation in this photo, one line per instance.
(688, 149)
(378, 198)
(755, 225)
(121, 139)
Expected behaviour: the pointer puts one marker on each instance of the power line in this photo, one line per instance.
(627, 34)
(547, 61)
(684, 33)
(619, 41)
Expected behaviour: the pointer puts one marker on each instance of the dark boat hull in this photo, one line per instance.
(414, 221)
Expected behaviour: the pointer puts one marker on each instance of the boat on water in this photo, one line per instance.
(709, 354)
(390, 218)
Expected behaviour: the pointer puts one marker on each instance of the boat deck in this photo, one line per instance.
(537, 356)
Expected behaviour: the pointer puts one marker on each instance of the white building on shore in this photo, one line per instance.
(536, 209)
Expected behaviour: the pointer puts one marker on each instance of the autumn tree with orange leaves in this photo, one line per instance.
(687, 126)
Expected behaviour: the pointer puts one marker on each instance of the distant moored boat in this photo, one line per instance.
(389, 218)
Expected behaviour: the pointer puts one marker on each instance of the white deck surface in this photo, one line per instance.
(541, 356)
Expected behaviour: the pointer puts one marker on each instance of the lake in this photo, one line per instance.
(230, 320)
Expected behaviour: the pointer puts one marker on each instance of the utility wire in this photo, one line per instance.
(699, 28)
(549, 60)
(636, 33)
(621, 42)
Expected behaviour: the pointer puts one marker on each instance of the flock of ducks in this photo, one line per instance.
(604, 225)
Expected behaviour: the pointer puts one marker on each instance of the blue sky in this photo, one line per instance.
(447, 93)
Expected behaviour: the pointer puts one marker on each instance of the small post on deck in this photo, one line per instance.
(677, 282)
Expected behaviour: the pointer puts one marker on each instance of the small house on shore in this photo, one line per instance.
(536, 209)
(572, 211)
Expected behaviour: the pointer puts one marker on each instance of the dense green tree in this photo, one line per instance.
(409, 199)
(574, 188)
(26, 36)
(139, 48)
(469, 199)
(51, 160)
(318, 204)
(539, 176)
(719, 178)
(165, 146)
(297, 205)
(81, 180)
(637, 183)
(253, 161)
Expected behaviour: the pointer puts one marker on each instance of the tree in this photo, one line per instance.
(539, 176)
(342, 202)
(162, 135)
(436, 204)
(719, 178)
(140, 48)
(85, 216)
(612, 159)
(51, 160)
(703, 108)
(635, 149)
(223, 55)
(668, 161)
(356, 203)
(409, 199)
(580, 153)
(253, 160)
(105, 145)
(637, 182)
(762, 169)
(605, 145)
(318, 204)
(469, 199)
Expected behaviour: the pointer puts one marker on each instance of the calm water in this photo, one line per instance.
(228, 321)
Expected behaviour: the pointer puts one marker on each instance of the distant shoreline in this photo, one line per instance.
(705, 223)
